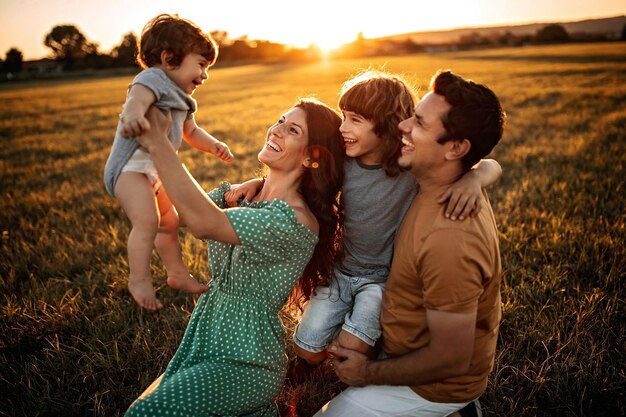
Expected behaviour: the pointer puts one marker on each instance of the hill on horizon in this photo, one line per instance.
(609, 25)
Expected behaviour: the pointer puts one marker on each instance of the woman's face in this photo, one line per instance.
(286, 142)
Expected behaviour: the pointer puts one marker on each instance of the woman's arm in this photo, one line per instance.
(203, 218)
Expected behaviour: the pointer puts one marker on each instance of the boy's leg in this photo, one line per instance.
(361, 328)
(135, 195)
(322, 319)
(350, 341)
(168, 247)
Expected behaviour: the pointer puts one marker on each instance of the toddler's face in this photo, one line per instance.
(191, 72)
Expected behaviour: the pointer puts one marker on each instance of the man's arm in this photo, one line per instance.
(448, 354)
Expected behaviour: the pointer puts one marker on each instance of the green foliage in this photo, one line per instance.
(125, 53)
(73, 343)
(552, 34)
(68, 44)
(13, 60)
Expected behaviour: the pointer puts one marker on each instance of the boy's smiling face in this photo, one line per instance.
(360, 140)
(191, 72)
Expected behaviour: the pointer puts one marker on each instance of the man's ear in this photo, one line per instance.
(458, 149)
(166, 57)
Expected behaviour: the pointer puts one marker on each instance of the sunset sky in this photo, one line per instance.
(328, 23)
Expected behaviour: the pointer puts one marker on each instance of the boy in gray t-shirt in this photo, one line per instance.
(175, 55)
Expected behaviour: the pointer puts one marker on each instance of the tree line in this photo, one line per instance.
(73, 51)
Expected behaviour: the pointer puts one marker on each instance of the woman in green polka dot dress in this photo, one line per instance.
(275, 248)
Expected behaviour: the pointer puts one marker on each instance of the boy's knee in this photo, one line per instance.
(312, 358)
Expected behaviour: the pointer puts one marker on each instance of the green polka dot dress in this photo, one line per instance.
(231, 361)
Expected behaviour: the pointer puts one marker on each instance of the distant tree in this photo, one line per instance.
(624, 33)
(552, 34)
(13, 60)
(93, 58)
(125, 54)
(508, 38)
(68, 44)
(219, 36)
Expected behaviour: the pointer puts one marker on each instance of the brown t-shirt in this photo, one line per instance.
(447, 266)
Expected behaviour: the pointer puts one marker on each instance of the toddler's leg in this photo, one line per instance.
(136, 197)
(168, 247)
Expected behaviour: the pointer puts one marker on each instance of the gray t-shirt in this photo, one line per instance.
(375, 205)
(169, 97)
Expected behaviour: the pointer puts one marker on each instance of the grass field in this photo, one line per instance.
(73, 343)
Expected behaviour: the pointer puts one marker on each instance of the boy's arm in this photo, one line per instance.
(201, 139)
(465, 195)
(133, 116)
(487, 171)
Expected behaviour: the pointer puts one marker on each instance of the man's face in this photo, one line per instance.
(420, 150)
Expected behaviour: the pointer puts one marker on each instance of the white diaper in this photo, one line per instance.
(142, 162)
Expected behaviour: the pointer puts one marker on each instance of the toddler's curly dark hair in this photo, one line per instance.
(176, 36)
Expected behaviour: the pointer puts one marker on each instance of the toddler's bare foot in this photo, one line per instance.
(143, 293)
(186, 283)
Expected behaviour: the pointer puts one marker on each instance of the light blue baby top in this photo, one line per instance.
(169, 97)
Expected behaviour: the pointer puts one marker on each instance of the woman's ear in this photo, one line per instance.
(458, 149)
(307, 162)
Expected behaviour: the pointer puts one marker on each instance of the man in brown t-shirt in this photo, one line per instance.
(441, 305)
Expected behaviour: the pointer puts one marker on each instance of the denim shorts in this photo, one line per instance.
(349, 303)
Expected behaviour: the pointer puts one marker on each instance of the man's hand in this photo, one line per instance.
(350, 366)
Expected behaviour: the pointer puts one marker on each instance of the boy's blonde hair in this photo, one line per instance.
(176, 36)
(385, 100)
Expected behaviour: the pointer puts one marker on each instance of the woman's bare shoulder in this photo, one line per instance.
(306, 217)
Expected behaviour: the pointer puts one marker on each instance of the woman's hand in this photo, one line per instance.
(160, 125)
(133, 126)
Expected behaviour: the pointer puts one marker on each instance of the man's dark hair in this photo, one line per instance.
(475, 114)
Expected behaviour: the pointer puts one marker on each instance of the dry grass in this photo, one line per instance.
(73, 343)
